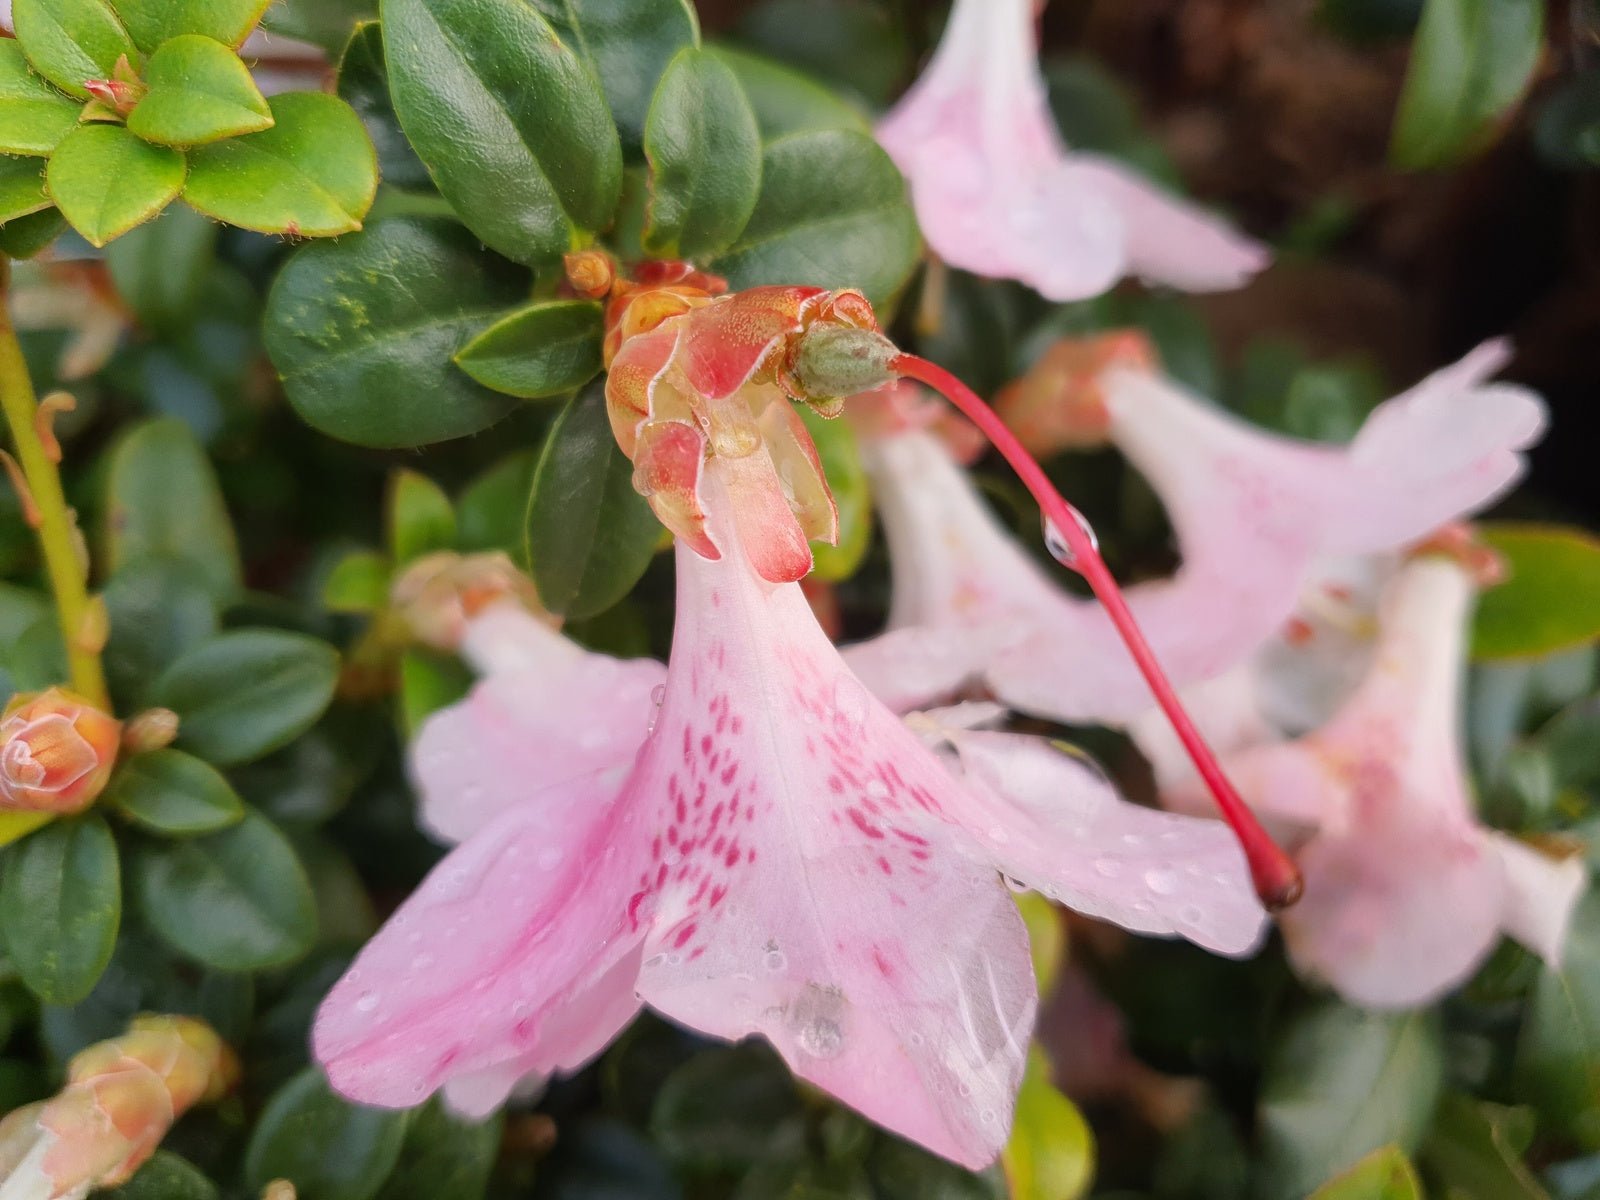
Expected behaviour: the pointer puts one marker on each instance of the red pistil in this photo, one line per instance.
(1277, 879)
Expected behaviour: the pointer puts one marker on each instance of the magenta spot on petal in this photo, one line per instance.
(672, 836)
(717, 893)
(684, 935)
(861, 823)
(883, 865)
(882, 963)
(705, 743)
(836, 785)
(732, 857)
(750, 855)
(738, 724)
(727, 776)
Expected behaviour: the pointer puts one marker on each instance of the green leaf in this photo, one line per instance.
(546, 349)
(728, 1108)
(237, 900)
(1475, 1149)
(326, 23)
(852, 495)
(21, 187)
(27, 236)
(705, 158)
(628, 44)
(859, 46)
(590, 535)
(105, 180)
(510, 122)
(327, 1147)
(903, 1171)
(155, 22)
(1384, 1174)
(313, 174)
(429, 682)
(199, 92)
(421, 519)
(161, 268)
(1051, 1152)
(245, 693)
(61, 906)
(364, 86)
(1558, 1052)
(1567, 130)
(1470, 63)
(493, 511)
(358, 583)
(1532, 613)
(786, 101)
(833, 213)
(173, 793)
(34, 117)
(164, 1177)
(444, 1156)
(163, 502)
(1341, 1084)
(159, 608)
(70, 41)
(363, 331)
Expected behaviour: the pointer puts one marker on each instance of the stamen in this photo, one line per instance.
(1277, 880)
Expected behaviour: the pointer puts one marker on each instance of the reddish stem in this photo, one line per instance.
(1277, 879)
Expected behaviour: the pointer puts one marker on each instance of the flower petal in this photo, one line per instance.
(1541, 895)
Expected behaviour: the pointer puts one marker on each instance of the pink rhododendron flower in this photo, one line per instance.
(1406, 893)
(1253, 512)
(997, 193)
(749, 843)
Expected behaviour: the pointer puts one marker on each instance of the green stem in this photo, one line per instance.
(57, 534)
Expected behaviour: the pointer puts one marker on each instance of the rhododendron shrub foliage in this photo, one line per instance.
(742, 599)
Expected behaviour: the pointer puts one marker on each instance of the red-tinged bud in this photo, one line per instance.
(590, 273)
(153, 729)
(1060, 403)
(118, 95)
(1460, 541)
(440, 593)
(56, 752)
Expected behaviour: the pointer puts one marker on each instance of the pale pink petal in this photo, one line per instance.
(480, 757)
(1169, 240)
(1049, 819)
(1226, 710)
(1541, 895)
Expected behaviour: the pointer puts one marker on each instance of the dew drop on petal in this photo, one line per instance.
(877, 789)
(1163, 881)
(776, 960)
(366, 1002)
(821, 1038)
(1108, 867)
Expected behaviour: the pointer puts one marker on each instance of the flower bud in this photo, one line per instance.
(590, 272)
(153, 729)
(830, 360)
(1060, 404)
(56, 752)
(439, 593)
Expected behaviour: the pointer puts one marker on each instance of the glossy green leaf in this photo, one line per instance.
(313, 174)
(237, 900)
(164, 1177)
(21, 187)
(34, 117)
(728, 1108)
(161, 268)
(429, 682)
(326, 23)
(590, 535)
(70, 41)
(1470, 62)
(1476, 1150)
(833, 213)
(705, 159)
(358, 583)
(860, 47)
(154, 22)
(173, 793)
(105, 180)
(1532, 613)
(1341, 1084)
(786, 101)
(364, 86)
(327, 1147)
(852, 495)
(421, 519)
(493, 511)
(444, 1156)
(61, 906)
(159, 608)
(1385, 1174)
(546, 349)
(628, 44)
(363, 331)
(27, 236)
(903, 1171)
(1050, 1155)
(246, 692)
(510, 122)
(1558, 1053)
(163, 502)
(199, 92)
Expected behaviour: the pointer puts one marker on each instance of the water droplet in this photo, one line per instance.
(520, 1009)
(987, 1116)
(422, 961)
(549, 857)
(674, 960)
(655, 960)
(1057, 544)
(821, 1038)
(850, 702)
(1016, 885)
(1132, 839)
(1190, 914)
(877, 789)
(965, 1089)
(998, 833)
(776, 960)
(915, 1039)
(1109, 867)
(366, 1002)
(658, 697)
(1163, 881)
